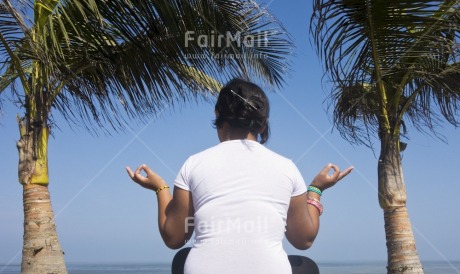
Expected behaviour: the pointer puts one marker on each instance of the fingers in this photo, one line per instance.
(138, 170)
(327, 168)
(130, 172)
(337, 175)
(147, 170)
(326, 179)
(334, 175)
(345, 172)
(136, 176)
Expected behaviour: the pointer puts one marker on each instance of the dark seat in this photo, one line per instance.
(178, 262)
(303, 265)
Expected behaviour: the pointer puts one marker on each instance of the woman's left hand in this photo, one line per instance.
(151, 181)
(323, 180)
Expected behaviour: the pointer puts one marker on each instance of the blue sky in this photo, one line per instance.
(102, 216)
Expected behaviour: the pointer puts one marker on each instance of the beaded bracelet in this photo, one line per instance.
(161, 188)
(315, 190)
(316, 204)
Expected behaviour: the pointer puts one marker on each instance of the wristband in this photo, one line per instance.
(316, 204)
(315, 190)
(161, 188)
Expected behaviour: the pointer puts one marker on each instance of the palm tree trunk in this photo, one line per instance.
(41, 252)
(402, 253)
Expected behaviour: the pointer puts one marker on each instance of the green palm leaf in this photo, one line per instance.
(390, 63)
(409, 49)
(94, 58)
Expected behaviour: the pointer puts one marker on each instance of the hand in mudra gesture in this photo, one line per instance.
(151, 180)
(324, 179)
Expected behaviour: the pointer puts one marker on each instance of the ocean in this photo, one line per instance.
(164, 268)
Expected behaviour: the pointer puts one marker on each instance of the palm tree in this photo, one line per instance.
(392, 64)
(99, 63)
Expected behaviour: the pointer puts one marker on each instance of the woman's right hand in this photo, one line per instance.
(325, 180)
(151, 181)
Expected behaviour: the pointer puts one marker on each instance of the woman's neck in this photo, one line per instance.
(227, 133)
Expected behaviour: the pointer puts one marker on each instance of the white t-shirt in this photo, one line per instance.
(241, 192)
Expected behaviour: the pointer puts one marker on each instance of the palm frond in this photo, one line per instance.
(406, 48)
(11, 33)
(96, 58)
(355, 110)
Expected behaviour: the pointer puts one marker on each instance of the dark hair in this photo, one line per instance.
(243, 104)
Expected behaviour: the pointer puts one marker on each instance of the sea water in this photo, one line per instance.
(380, 268)
(164, 268)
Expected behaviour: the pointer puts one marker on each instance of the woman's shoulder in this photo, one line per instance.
(229, 149)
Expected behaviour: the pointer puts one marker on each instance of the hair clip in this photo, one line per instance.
(245, 100)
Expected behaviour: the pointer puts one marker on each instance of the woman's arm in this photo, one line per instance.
(302, 222)
(175, 213)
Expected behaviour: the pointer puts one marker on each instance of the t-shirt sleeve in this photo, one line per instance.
(183, 177)
(298, 184)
